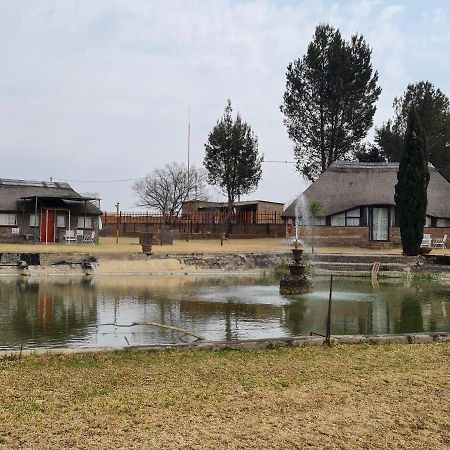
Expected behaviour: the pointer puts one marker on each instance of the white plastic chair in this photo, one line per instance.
(440, 242)
(69, 236)
(426, 240)
(89, 238)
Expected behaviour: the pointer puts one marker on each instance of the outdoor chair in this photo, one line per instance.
(89, 238)
(426, 241)
(440, 242)
(69, 236)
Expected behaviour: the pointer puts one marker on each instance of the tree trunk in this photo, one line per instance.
(228, 218)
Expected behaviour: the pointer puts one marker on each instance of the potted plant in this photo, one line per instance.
(146, 241)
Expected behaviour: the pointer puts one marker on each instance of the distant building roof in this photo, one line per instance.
(347, 185)
(58, 194)
(204, 204)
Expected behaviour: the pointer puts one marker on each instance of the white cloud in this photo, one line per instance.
(107, 83)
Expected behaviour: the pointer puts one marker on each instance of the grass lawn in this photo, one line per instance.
(346, 397)
(131, 245)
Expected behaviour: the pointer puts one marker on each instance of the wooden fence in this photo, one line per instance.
(241, 217)
(246, 223)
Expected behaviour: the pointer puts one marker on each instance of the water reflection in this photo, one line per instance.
(74, 312)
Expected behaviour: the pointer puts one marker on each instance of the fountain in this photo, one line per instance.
(297, 282)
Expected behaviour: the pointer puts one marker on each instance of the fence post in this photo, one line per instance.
(328, 335)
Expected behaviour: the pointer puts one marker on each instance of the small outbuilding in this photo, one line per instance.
(45, 212)
(358, 206)
(249, 211)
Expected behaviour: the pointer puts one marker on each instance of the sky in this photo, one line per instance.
(99, 90)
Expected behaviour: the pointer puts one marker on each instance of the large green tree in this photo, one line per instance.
(330, 99)
(411, 187)
(232, 160)
(433, 109)
(370, 153)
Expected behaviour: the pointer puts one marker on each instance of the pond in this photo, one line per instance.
(75, 313)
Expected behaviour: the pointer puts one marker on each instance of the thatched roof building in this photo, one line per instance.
(348, 185)
(17, 194)
(45, 212)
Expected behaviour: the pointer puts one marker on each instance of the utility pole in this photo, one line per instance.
(117, 221)
(189, 144)
(188, 169)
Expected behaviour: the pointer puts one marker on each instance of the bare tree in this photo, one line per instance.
(166, 189)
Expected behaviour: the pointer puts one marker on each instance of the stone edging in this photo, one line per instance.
(257, 344)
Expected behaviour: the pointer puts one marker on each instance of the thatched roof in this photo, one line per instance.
(57, 195)
(347, 185)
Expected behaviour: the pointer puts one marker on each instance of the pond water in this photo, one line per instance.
(60, 312)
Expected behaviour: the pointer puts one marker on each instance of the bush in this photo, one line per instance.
(281, 270)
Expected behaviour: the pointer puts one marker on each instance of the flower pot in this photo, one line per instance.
(146, 248)
(425, 250)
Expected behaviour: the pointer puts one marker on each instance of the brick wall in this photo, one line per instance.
(356, 236)
(23, 223)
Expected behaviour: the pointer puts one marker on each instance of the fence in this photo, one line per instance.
(240, 217)
(200, 223)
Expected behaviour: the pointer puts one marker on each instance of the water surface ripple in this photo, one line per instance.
(46, 313)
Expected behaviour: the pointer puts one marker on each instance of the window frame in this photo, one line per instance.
(38, 221)
(58, 216)
(347, 216)
(442, 219)
(8, 216)
(83, 224)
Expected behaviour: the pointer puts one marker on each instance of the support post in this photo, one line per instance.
(35, 215)
(117, 222)
(328, 335)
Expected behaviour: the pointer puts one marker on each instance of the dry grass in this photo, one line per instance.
(131, 245)
(349, 397)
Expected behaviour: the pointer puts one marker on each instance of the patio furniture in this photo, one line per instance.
(426, 241)
(89, 238)
(69, 236)
(440, 242)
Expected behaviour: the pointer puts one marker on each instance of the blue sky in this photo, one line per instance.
(100, 89)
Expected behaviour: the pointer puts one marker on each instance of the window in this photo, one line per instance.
(338, 220)
(61, 221)
(34, 220)
(85, 222)
(442, 223)
(352, 217)
(8, 219)
(320, 221)
(428, 221)
(392, 212)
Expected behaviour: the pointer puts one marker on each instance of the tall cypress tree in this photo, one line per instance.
(411, 188)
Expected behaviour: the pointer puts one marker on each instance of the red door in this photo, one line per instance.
(48, 225)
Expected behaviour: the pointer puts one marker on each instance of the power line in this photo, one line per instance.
(103, 181)
(123, 180)
(277, 161)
